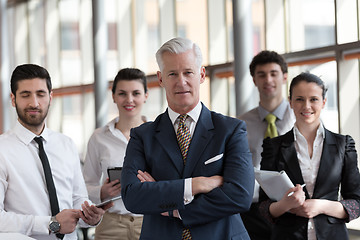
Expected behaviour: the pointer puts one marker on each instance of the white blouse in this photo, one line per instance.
(309, 166)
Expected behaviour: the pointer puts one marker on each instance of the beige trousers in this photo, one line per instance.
(119, 227)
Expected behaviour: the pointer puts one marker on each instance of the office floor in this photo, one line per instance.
(353, 234)
(354, 229)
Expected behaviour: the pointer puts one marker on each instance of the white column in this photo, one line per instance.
(243, 53)
(100, 53)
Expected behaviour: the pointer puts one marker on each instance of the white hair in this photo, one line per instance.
(178, 45)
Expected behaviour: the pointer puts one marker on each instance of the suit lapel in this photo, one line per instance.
(200, 139)
(326, 161)
(165, 135)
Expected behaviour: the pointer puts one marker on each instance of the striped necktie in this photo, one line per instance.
(184, 138)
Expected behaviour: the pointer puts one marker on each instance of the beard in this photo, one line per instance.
(32, 120)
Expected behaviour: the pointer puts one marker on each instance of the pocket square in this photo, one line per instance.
(213, 159)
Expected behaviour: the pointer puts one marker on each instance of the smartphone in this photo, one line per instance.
(114, 173)
(107, 201)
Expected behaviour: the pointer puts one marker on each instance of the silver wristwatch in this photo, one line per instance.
(54, 225)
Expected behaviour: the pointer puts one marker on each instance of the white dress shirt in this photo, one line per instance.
(190, 122)
(106, 148)
(24, 200)
(309, 166)
(256, 126)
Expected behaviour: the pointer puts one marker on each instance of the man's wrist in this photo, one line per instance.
(54, 225)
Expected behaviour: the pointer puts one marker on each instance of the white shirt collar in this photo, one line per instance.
(26, 136)
(114, 131)
(319, 132)
(279, 112)
(194, 113)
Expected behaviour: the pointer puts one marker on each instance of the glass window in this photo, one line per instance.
(258, 18)
(70, 43)
(192, 17)
(308, 26)
(112, 33)
(77, 114)
(36, 35)
(69, 36)
(153, 34)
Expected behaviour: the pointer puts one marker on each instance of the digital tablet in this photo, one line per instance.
(114, 173)
(107, 201)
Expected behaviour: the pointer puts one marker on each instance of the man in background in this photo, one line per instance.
(271, 118)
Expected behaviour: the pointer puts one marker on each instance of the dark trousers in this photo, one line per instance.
(256, 225)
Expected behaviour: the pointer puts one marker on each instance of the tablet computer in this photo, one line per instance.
(107, 201)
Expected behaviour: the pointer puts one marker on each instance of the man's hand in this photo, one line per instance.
(91, 214)
(206, 184)
(110, 189)
(145, 177)
(68, 219)
(175, 214)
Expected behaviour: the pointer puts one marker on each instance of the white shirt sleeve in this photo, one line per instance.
(188, 197)
(92, 172)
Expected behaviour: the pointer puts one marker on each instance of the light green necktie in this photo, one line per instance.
(271, 130)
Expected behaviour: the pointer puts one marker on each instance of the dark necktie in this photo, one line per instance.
(184, 138)
(49, 180)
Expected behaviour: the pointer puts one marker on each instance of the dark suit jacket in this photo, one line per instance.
(338, 167)
(153, 148)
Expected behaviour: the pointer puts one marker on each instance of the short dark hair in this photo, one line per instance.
(130, 74)
(265, 57)
(29, 71)
(309, 78)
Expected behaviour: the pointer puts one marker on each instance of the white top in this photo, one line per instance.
(106, 148)
(309, 166)
(256, 126)
(190, 122)
(24, 201)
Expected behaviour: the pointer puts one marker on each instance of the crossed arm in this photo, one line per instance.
(198, 184)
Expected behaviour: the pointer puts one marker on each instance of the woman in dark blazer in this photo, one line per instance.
(325, 161)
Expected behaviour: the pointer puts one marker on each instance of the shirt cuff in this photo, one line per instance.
(41, 225)
(188, 197)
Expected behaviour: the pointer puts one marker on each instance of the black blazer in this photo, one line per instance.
(338, 167)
